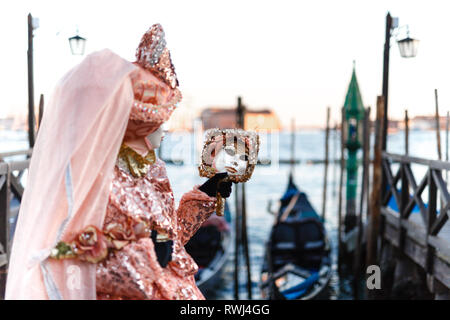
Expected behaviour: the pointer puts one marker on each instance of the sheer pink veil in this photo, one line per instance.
(69, 177)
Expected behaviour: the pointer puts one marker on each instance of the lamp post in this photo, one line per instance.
(77, 45)
(33, 23)
(408, 49)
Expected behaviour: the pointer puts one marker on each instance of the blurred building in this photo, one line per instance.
(393, 125)
(216, 117)
(18, 122)
(427, 123)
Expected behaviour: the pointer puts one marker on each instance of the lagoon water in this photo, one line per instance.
(268, 183)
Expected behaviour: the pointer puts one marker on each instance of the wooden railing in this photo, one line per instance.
(11, 188)
(423, 237)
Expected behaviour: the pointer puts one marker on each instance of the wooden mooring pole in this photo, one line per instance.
(41, 110)
(325, 176)
(375, 201)
(446, 135)
(292, 161)
(341, 182)
(335, 159)
(438, 134)
(406, 133)
(438, 127)
(446, 143)
(237, 240)
(31, 118)
(364, 190)
(241, 220)
(245, 243)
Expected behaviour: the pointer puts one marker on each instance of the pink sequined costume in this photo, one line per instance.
(73, 241)
(141, 202)
(134, 204)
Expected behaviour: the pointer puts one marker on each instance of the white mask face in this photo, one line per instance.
(156, 137)
(228, 160)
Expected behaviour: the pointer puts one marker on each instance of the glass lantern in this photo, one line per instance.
(77, 45)
(408, 47)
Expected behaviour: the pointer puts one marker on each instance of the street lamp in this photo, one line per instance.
(77, 44)
(33, 23)
(408, 49)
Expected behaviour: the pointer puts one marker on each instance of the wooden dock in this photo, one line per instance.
(10, 189)
(419, 228)
(407, 230)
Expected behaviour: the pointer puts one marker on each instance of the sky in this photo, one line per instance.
(295, 57)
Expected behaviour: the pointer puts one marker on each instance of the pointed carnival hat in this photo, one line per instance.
(156, 93)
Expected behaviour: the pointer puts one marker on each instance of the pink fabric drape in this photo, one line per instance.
(69, 177)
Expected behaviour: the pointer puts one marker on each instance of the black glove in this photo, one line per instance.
(163, 250)
(214, 185)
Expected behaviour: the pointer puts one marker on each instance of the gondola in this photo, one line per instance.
(297, 263)
(210, 248)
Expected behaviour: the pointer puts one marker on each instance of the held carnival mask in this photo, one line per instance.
(234, 151)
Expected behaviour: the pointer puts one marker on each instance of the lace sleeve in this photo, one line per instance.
(195, 207)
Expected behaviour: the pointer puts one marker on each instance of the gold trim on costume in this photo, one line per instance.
(137, 164)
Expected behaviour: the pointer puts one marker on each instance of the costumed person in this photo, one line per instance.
(98, 219)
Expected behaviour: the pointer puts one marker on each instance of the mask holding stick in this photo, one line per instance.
(231, 154)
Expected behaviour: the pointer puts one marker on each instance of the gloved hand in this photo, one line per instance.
(163, 250)
(214, 185)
